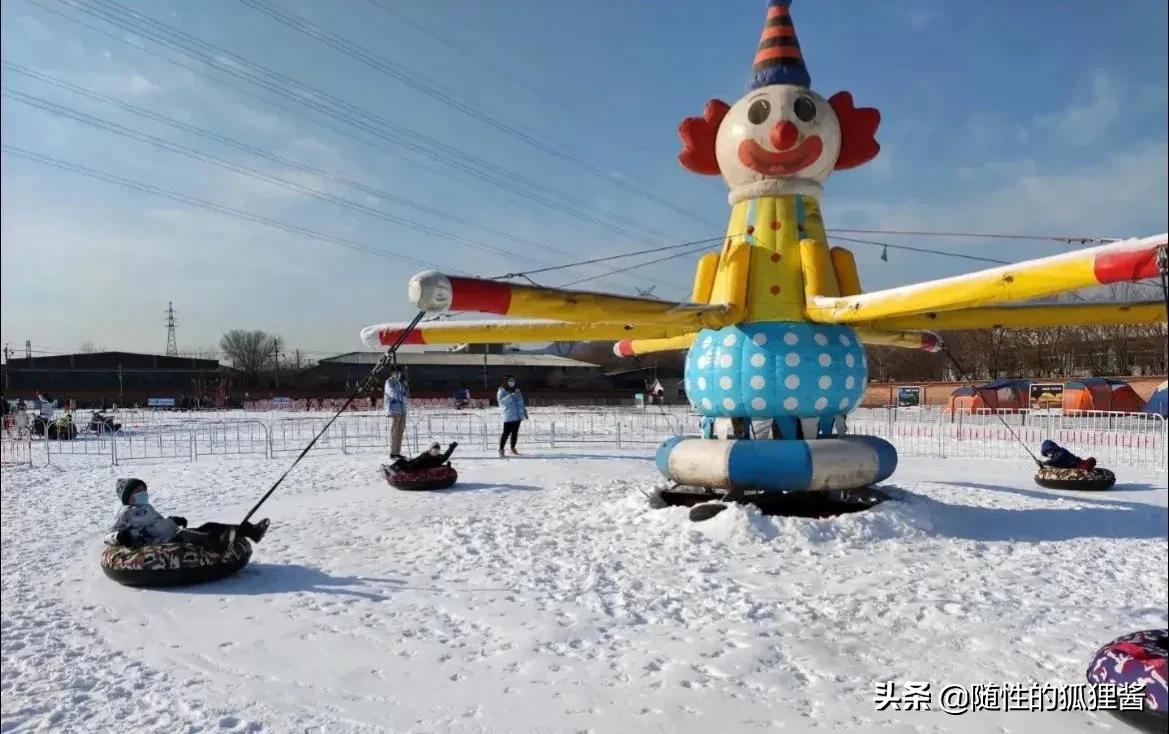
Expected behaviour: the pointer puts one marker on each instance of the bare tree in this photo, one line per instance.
(250, 352)
(87, 348)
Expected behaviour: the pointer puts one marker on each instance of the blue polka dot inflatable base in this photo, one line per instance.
(847, 462)
(772, 369)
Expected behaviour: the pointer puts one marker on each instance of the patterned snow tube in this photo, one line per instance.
(418, 481)
(1140, 657)
(173, 564)
(1079, 479)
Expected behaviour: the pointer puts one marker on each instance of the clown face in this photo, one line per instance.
(780, 139)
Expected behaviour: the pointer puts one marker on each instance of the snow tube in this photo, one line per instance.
(1081, 479)
(416, 481)
(173, 564)
(1138, 658)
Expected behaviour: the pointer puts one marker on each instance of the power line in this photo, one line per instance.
(980, 235)
(959, 255)
(209, 205)
(515, 197)
(247, 171)
(419, 83)
(499, 71)
(321, 101)
(610, 257)
(634, 267)
(253, 150)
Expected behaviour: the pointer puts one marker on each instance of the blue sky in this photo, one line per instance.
(1039, 117)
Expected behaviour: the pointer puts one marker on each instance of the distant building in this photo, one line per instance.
(123, 377)
(438, 374)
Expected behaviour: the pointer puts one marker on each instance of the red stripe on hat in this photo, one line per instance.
(778, 31)
(483, 296)
(790, 53)
(776, 11)
(388, 337)
(1114, 267)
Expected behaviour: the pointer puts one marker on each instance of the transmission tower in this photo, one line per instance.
(172, 347)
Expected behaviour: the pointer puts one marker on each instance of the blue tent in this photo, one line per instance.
(1159, 402)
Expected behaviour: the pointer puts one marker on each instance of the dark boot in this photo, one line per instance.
(254, 531)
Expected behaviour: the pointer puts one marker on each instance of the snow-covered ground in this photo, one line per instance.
(544, 594)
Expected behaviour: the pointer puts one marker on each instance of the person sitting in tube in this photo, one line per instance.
(432, 458)
(139, 524)
(1060, 458)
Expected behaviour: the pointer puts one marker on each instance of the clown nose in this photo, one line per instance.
(784, 135)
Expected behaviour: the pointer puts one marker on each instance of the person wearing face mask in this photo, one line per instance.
(511, 404)
(397, 397)
(433, 458)
(139, 524)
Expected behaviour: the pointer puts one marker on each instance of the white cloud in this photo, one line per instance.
(924, 16)
(139, 84)
(1090, 115)
(1122, 196)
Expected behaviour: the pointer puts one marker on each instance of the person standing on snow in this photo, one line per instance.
(511, 404)
(397, 397)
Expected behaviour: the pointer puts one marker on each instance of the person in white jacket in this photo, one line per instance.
(139, 524)
(397, 396)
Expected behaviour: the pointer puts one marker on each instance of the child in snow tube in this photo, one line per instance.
(429, 470)
(146, 549)
(1137, 658)
(1061, 458)
(1065, 470)
(138, 524)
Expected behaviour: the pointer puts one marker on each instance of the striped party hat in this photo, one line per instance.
(778, 59)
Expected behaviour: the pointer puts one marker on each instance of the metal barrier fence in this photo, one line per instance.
(1113, 438)
(16, 447)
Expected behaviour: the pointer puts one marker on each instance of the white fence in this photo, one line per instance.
(1113, 438)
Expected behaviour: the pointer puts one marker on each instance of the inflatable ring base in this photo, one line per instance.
(815, 504)
(1138, 657)
(425, 480)
(173, 564)
(1084, 480)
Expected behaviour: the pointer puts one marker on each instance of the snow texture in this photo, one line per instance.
(544, 594)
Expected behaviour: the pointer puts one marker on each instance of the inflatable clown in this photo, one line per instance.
(777, 321)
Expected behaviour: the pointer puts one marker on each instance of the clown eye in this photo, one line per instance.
(758, 111)
(805, 109)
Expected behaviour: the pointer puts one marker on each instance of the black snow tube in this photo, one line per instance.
(418, 481)
(1079, 479)
(173, 564)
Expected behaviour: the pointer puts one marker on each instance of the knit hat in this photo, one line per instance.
(127, 487)
(1048, 446)
(778, 60)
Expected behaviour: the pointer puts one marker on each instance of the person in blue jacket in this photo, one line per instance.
(1060, 458)
(511, 405)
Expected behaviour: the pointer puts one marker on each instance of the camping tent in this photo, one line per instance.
(1101, 393)
(1159, 401)
(1008, 394)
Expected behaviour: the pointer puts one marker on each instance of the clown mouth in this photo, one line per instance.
(780, 163)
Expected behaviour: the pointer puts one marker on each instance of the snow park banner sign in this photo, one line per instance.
(160, 402)
(1046, 396)
(909, 396)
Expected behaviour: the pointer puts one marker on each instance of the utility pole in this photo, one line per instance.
(276, 354)
(298, 359)
(28, 349)
(172, 347)
(120, 383)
